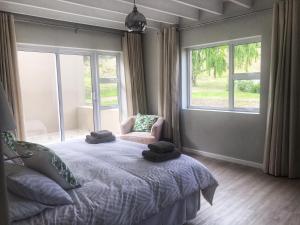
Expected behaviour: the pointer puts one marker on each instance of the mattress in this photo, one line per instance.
(119, 187)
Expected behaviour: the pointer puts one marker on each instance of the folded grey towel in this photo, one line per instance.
(156, 157)
(92, 140)
(162, 147)
(101, 133)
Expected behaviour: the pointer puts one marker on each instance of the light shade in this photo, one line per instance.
(7, 122)
(135, 21)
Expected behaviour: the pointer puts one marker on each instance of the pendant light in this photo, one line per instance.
(135, 21)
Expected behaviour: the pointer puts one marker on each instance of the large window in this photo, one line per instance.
(225, 76)
(67, 93)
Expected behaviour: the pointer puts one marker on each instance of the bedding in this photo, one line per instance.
(34, 186)
(119, 187)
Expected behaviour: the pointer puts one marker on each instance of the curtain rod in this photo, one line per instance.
(223, 19)
(63, 24)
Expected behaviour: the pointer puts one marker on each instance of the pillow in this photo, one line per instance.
(144, 123)
(34, 186)
(20, 208)
(9, 146)
(45, 161)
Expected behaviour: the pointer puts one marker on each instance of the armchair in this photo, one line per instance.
(141, 137)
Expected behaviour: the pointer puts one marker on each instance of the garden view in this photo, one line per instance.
(108, 81)
(210, 76)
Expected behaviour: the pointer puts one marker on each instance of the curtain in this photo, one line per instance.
(282, 148)
(134, 74)
(169, 84)
(9, 69)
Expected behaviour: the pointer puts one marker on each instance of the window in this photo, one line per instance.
(225, 76)
(66, 93)
(109, 74)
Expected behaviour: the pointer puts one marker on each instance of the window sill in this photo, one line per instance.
(237, 111)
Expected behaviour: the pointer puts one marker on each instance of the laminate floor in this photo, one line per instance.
(247, 196)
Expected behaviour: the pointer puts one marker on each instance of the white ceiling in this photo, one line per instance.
(112, 13)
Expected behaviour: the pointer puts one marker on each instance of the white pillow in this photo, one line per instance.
(45, 161)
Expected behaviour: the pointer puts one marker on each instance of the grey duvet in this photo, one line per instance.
(119, 187)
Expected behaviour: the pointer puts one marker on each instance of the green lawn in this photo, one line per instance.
(108, 94)
(214, 92)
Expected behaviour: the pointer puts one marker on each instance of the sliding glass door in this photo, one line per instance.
(67, 95)
(109, 92)
(39, 95)
(76, 96)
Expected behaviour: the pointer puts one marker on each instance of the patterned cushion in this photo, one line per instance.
(34, 186)
(144, 123)
(20, 208)
(45, 161)
(9, 146)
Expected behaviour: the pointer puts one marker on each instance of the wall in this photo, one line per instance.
(237, 135)
(30, 33)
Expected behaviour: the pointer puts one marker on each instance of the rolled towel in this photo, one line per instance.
(155, 157)
(101, 133)
(92, 140)
(162, 147)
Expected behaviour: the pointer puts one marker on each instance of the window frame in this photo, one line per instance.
(94, 55)
(232, 76)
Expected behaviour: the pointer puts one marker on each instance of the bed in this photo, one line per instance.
(119, 187)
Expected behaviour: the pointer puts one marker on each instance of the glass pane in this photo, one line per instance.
(77, 95)
(209, 81)
(247, 58)
(109, 94)
(107, 66)
(110, 120)
(39, 95)
(247, 94)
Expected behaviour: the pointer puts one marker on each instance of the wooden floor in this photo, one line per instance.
(247, 196)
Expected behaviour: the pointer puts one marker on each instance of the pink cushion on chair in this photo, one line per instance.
(141, 137)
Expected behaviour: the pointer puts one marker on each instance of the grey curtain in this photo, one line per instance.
(282, 149)
(169, 84)
(134, 73)
(9, 76)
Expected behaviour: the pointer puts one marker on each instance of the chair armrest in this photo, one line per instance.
(157, 128)
(127, 125)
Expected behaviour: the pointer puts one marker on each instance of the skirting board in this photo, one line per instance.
(223, 158)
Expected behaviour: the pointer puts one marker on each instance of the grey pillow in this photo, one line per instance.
(34, 186)
(45, 161)
(20, 208)
(9, 146)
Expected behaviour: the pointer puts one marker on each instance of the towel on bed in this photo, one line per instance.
(92, 140)
(156, 157)
(101, 134)
(162, 147)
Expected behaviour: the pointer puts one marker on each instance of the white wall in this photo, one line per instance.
(67, 37)
(237, 135)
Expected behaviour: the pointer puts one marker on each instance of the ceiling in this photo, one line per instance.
(112, 13)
